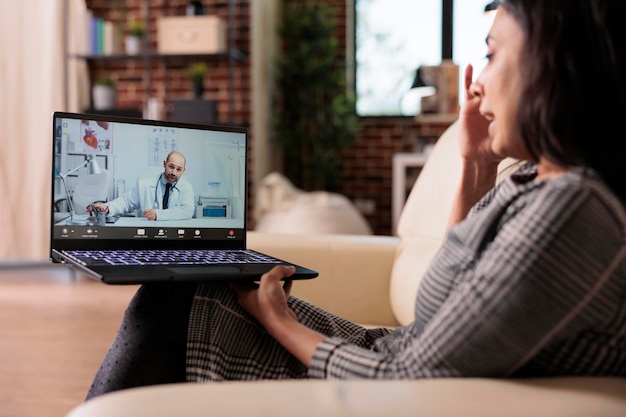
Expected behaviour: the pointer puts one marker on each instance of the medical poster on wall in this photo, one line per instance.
(161, 141)
(96, 137)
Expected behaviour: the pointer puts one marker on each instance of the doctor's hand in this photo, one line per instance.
(101, 207)
(150, 214)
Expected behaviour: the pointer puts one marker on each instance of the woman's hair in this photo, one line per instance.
(573, 106)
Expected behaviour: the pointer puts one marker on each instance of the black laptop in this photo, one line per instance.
(200, 232)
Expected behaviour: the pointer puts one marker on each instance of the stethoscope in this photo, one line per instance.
(156, 189)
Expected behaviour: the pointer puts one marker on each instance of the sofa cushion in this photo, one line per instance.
(426, 210)
(412, 259)
(423, 222)
(424, 219)
(354, 271)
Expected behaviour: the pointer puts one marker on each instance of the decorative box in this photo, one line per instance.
(445, 78)
(195, 111)
(191, 35)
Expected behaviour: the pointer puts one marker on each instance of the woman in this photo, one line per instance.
(530, 280)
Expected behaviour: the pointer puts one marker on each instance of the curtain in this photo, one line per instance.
(32, 74)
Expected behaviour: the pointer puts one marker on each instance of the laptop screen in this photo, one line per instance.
(110, 177)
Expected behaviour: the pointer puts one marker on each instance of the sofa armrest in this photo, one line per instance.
(354, 271)
(446, 397)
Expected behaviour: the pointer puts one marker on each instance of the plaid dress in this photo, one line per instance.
(532, 283)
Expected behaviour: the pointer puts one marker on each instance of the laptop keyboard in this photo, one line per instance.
(169, 257)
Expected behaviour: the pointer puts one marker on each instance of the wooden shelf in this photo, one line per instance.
(153, 55)
(231, 55)
(437, 118)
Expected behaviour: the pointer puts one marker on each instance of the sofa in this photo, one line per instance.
(373, 280)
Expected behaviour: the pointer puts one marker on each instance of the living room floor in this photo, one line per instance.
(55, 328)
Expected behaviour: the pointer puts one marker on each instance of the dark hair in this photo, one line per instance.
(574, 100)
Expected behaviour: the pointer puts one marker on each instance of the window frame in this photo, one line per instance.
(448, 24)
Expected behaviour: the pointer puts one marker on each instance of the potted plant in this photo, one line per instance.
(103, 93)
(135, 37)
(195, 74)
(315, 115)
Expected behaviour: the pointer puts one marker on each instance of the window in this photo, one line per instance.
(394, 37)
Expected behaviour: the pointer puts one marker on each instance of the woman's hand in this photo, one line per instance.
(267, 302)
(475, 143)
(480, 163)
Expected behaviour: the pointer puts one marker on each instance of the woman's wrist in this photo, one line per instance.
(478, 176)
(476, 179)
(298, 339)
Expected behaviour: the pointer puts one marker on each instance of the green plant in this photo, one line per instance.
(137, 28)
(315, 117)
(105, 81)
(195, 72)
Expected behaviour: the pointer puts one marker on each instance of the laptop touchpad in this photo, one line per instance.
(205, 269)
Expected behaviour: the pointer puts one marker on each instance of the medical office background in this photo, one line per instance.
(215, 161)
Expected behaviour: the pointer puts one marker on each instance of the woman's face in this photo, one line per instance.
(500, 84)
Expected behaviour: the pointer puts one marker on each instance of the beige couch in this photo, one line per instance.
(373, 280)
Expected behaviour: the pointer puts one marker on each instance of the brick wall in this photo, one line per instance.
(367, 165)
(168, 78)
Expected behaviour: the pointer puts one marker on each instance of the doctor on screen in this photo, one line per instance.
(166, 197)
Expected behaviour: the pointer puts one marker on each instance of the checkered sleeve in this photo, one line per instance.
(531, 284)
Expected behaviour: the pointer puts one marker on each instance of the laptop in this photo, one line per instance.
(119, 163)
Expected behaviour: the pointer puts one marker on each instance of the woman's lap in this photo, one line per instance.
(190, 332)
(226, 343)
(150, 345)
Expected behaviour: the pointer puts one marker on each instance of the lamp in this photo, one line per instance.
(419, 80)
(442, 81)
(422, 86)
(93, 168)
(492, 6)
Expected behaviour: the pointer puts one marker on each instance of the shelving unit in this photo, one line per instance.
(232, 55)
(432, 125)
(402, 181)
(407, 166)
